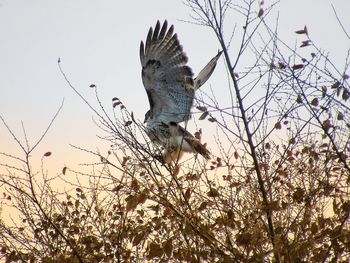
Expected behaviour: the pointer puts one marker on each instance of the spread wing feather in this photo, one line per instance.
(167, 79)
(206, 72)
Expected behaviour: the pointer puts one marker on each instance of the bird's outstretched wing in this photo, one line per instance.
(167, 79)
(206, 72)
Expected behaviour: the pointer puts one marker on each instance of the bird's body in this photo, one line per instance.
(170, 88)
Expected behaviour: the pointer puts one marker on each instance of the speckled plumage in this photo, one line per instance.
(170, 88)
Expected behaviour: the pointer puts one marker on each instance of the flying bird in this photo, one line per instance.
(170, 88)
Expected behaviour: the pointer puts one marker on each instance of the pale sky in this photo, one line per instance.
(98, 42)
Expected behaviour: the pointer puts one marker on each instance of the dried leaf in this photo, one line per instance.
(324, 91)
(155, 250)
(298, 195)
(346, 94)
(281, 65)
(302, 31)
(244, 238)
(261, 12)
(176, 170)
(213, 192)
(138, 238)
(326, 124)
(278, 126)
(141, 198)
(335, 85)
(212, 119)
(198, 134)
(203, 206)
(314, 102)
(125, 159)
(297, 66)
(168, 248)
(128, 123)
(92, 86)
(340, 116)
(202, 108)
(47, 154)
(115, 104)
(305, 43)
(64, 170)
(204, 115)
(299, 99)
(135, 185)
(131, 202)
(188, 194)
(132, 117)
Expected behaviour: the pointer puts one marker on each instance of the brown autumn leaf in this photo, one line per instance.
(198, 134)
(346, 206)
(47, 154)
(261, 12)
(168, 247)
(132, 117)
(188, 194)
(115, 104)
(155, 250)
(297, 66)
(203, 206)
(213, 192)
(281, 65)
(314, 228)
(131, 202)
(335, 85)
(340, 116)
(202, 108)
(244, 238)
(324, 91)
(314, 102)
(176, 170)
(128, 123)
(326, 125)
(203, 115)
(138, 238)
(302, 31)
(278, 126)
(298, 195)
(92, 86)
(212, 119)
(125, 160)
(141, 198)
(135, 185)
(64, 170)
(305, 43)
